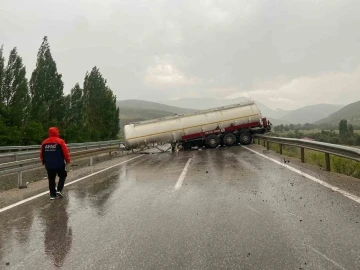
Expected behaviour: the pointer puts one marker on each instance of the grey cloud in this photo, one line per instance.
(233, 45)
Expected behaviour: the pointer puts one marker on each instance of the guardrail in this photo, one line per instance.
(326, 148)
(73, 147)
(70, 145)
(35, 163)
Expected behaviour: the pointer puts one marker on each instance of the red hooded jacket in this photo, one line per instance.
(54, 153)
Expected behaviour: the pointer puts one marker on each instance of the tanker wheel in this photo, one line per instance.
(212, 141)
(187, 146)
(245, 138)
(229, 139)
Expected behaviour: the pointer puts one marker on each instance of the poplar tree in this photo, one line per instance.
(110, 114)
(94, 90)
(76, 109)
(75, 116)
(15, 91)
(101, 116)
(2, 74)
(46, 89)
(343, 127)
(351, 130)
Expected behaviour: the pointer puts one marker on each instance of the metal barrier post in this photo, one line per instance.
(327, 162)
(15, 157)
(20, 179)
(280, 148)
(302, 155)
(267, 145)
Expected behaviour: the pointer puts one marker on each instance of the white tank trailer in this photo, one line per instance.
(227, 126)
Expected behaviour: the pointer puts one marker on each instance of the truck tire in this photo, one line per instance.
(212, 141)
(229, 139)
(245, 138)
(187, 146)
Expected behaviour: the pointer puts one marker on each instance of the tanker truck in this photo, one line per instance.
(225, 126)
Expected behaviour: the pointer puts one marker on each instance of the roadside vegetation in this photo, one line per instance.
(338, 164)
(345, 135)
(29, 107)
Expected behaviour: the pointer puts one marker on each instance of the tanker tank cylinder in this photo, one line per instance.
(194, 126)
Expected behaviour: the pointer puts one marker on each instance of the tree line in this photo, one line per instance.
(345, 135)
(308, 126)
(29, 107)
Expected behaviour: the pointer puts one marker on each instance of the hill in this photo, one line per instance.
(350, 112)
(206, 103)
(139, 110)
(201, 103)
(279, 113)
(148, 105)
(131, 115)
(310, 114)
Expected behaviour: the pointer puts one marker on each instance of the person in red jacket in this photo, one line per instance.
(54, 154)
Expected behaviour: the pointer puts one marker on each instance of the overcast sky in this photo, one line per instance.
(284, 54)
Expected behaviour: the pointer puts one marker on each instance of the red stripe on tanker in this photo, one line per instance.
(228, 129)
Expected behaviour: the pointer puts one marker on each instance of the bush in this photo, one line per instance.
(345, 166)
(73, 134)
(9, 135)
(335, 140)
(357, 140)
(33, 133)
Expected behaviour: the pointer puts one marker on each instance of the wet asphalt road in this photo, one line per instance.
(234, 210)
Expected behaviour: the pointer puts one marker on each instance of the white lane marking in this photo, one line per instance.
(343, 192)
(327, 258)
(248, 206)
(182, 175)
(67, 184)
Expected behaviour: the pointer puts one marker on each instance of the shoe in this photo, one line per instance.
(52, 197)
(59, 193)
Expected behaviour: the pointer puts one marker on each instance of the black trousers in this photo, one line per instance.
(61, 172)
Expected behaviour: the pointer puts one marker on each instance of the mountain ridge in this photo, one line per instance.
(137, 110)
(350, 112)
(306, 114)
(310, 114)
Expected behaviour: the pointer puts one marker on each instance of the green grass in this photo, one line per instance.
(337, 164)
